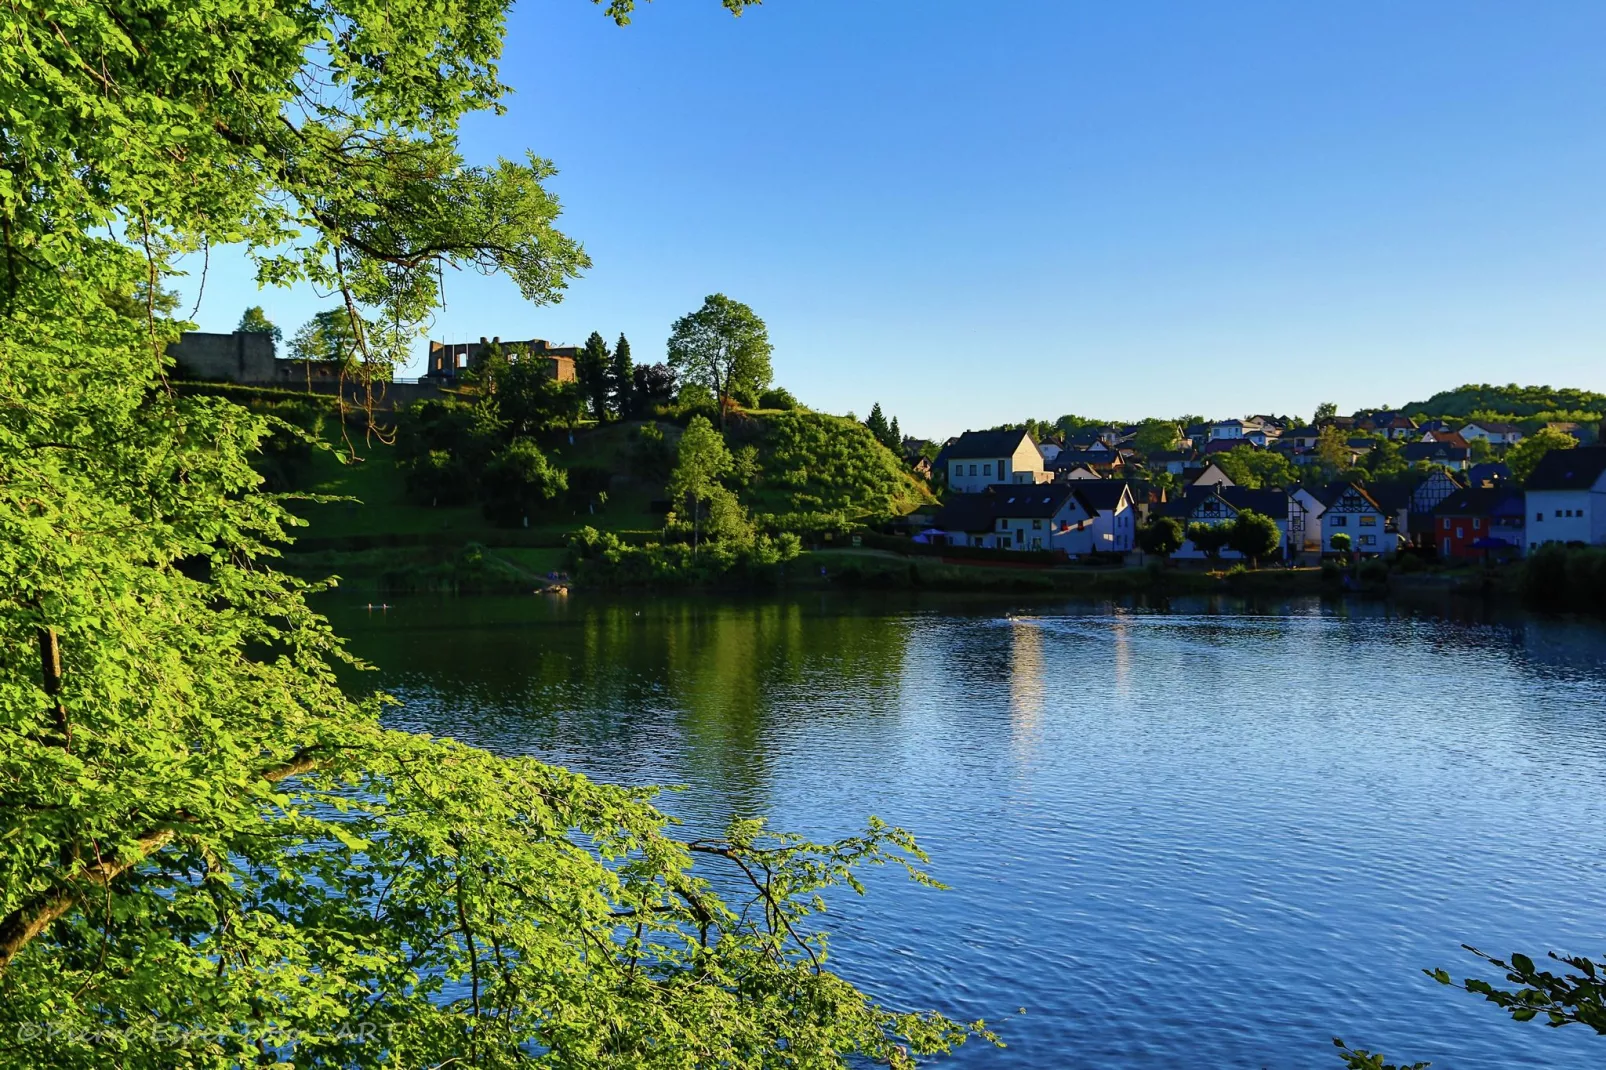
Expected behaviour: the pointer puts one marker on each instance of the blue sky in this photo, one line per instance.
(974, 211)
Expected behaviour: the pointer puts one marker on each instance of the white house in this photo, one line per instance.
(1226, 430)
(1492, 432)
(977, 460)
(1034, 517)
(1049, 450)
(1567, 497)
(1313, 508)
(1352, 511)
(1112, 521)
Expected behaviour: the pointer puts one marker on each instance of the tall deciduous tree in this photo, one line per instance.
(723, 345)
(255, 321)
(1254, 535)
(205, 833)
(622, 379)
(1324, 412)
(701, 462)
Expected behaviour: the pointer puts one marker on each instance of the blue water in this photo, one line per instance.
(1213, 838)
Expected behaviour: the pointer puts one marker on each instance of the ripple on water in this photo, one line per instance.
(1175, 839)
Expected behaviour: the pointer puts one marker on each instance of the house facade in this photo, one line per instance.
(1112, 520)
(1492, 432)
(977, 460)
(1473, 523)
(1351, 511)
(1566, 498)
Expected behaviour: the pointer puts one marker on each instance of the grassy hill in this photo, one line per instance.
(814, 464)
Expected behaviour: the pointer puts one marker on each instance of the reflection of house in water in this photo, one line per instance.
(1025, 678)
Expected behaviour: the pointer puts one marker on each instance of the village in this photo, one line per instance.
(1092, 495)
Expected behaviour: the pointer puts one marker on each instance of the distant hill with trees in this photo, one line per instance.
(1513, 402)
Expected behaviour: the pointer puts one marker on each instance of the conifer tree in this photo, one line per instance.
(622, 379)
(877, 423)
(895, 437)
(591, 370)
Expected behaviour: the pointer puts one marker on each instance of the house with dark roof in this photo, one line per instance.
(1493, 432)
(1475, 522)
(1418, 526)
(1112, 518)
(1350, 509)
(1567, 497)
(1102, 461)
(977, 460)
(1172, 461)
(1457, 457)
(1488, 474)
(1212, 504)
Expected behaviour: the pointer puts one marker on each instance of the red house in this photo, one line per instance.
(1470, 524)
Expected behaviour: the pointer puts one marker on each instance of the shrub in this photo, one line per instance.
(777, 397)
(520, 482)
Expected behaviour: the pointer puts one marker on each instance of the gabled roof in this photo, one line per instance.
(1069, 459)
(1330, 494)
(1101, 496)
(1030, 500)
(966, 512)
(1494, 427)
(1488, 472)
(1271, 501)
(1302, 431)
(1475, 501)
(1576, 469)
(986, 445)
(1412, 452)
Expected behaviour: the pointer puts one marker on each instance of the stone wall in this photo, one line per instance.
(237, 358)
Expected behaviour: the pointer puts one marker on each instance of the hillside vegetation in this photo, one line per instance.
(814, 470)
(1513, 402)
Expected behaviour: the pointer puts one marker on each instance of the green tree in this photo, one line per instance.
(1254, 535)
(1162, 536)
(327, 337)
(622, 380)
(1325, 411)
(877, 423)
(1525, 456)
(1332, 452)
(520, 482)
(1255, 468)
(1479, 450)
(1156, 436)
(895, 438)
(1340, 543)
(724, 346)
(701, 462)
(1384, 460)
(1209, 539)
(254, 321)
(591, 371)
(207, 830)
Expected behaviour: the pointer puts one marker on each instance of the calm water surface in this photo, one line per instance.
(1208, 836)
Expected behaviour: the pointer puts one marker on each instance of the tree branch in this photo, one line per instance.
(21, 926)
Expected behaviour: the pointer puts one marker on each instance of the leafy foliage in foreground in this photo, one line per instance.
(212, 855)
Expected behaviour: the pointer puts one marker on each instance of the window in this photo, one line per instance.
(1476, 523)
(1460, 534)
(987, 469)
(1037, 525)
(1539, 516)
(1368, 540)
(1558, 512)
(1340, 521)
(1037, 544)
(1020, 536)
(1445, 524)
(1003, 525)
(959, 471)
(1368, 521)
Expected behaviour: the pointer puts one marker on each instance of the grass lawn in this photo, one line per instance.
(382, 506)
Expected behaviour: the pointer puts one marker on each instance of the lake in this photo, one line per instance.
(1212, 834)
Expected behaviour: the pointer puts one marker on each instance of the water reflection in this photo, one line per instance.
(1198, 833)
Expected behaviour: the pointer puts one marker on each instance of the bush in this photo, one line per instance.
(1374, 573)
(1562, 577)
(520, 482)
(777, 397)
(602, 559)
